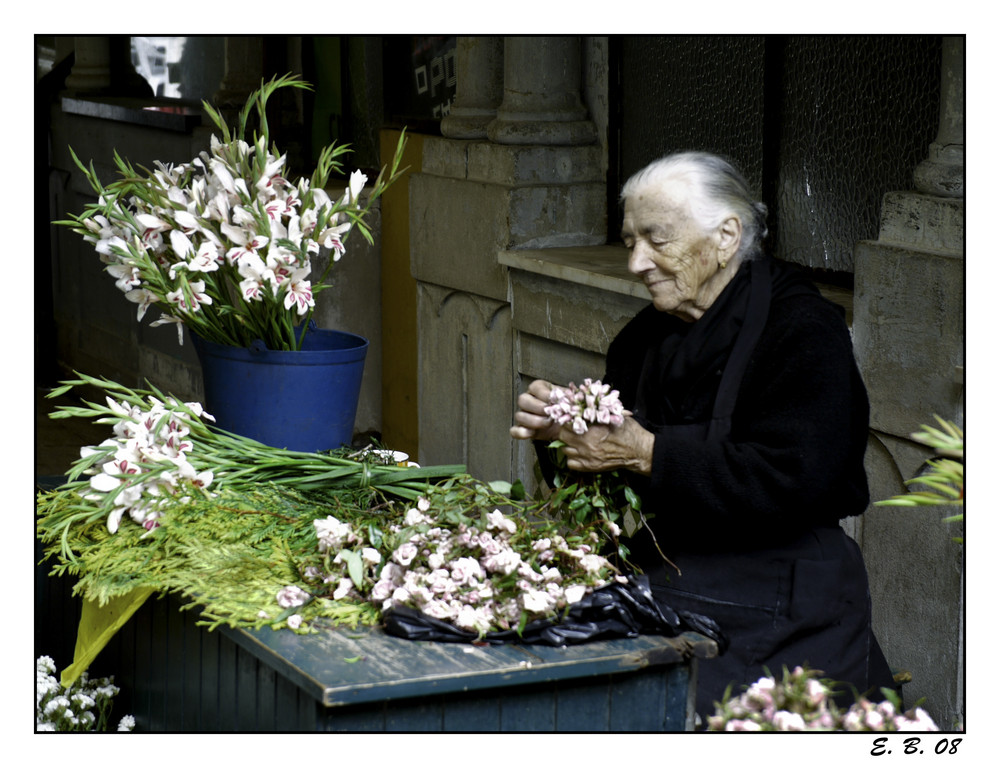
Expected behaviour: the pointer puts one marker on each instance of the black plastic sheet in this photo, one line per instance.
(613, 611)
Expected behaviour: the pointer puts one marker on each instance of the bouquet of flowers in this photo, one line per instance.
(593, 403)
(604, 496)
(225, 243)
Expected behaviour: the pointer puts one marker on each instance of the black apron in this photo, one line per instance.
(804, 601)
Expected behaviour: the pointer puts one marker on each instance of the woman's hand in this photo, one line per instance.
(602, 448)
(530, 421)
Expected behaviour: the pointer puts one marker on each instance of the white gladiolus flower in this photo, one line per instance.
(357, 183)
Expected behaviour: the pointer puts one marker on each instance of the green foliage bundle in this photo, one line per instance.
(943, 481)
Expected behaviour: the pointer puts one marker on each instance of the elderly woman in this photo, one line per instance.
(746, 438)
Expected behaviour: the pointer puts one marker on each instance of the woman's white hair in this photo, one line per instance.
(716, 191)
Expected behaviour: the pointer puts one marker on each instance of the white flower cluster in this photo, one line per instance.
(229, 210)
(146, 463)
(801, 702)
(592, 403)
(483, 580)
(84, 706)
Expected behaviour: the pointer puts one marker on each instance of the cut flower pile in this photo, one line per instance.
(169, 502)
(451, 558)
(479, 579)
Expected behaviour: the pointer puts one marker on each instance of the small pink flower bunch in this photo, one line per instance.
(798, 702)
(592, 403)
(349, 565)
(865, 715)
(802, 702)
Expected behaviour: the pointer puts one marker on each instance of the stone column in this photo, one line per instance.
(479, 87)
(909, 338)
(541, 99)
(91, 65)
(530, 177)
(943, 172)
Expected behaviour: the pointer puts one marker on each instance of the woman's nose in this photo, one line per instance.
(638, 260)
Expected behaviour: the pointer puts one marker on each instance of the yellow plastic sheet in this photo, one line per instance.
(98, 624)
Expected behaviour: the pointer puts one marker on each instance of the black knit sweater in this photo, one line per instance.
(794, 458)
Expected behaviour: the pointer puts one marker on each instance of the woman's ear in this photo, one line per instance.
(729, 234)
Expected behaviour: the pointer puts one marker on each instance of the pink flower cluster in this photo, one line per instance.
(865, 715)
(801, 702)
(485, 578)
(768, 705)
(581, 406)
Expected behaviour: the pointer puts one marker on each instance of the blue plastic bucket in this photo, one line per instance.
(303, 401)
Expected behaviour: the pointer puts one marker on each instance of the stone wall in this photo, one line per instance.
(909, 335)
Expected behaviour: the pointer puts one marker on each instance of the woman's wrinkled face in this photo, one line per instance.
(679, 262)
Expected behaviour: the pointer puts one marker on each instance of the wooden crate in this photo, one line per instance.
(177, 676)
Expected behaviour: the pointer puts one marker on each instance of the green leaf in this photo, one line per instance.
(631, 522)
(632, 498)
(522, 623)
(517, 491)
(942, 487)
(355, 566)
(375, 536)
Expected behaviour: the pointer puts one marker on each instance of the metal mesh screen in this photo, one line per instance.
(821, 126)
(857, 117)
(704, 93)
